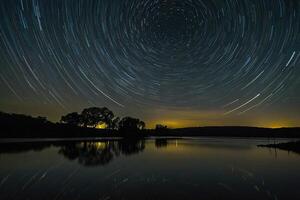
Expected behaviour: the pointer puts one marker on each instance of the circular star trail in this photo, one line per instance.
(227, 55)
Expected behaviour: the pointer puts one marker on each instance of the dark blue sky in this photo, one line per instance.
(179, 62)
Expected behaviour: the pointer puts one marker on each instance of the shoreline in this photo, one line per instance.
(94, 139)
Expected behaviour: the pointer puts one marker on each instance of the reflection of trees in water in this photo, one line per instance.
(161, 142)
(87, 153)
(100, 153)
(128, 147)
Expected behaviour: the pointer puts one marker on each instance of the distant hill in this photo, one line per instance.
(234, 131)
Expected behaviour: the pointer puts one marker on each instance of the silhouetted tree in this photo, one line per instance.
(141, 125)
(129, 124)
(42, 119)
(73, 119)
(160, 127)
(94, 116)
(114, 123)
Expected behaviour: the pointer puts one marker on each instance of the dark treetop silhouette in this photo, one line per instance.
(131, 125)
(90, 117)
(94, 116)
(73, 119)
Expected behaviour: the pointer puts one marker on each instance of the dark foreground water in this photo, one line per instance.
(204, 168)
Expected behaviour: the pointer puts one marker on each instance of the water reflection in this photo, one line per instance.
(100, 153)
(203, 168)
(161, 142)
(23, 147)
(87, 153)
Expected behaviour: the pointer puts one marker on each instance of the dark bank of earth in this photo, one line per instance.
(21, 126)
(288, 146)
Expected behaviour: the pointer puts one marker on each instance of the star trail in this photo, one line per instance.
(181, 62)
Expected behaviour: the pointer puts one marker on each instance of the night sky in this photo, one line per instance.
(177, 62)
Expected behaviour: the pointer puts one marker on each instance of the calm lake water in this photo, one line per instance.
(205, 168)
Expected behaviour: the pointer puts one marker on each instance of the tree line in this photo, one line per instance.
(94, 117)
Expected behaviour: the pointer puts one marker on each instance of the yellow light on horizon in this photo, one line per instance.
(276, 125)
(174, 123)
(279, 124)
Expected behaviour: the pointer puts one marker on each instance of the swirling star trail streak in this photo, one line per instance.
(153, 58)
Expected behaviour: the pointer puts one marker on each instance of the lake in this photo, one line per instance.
(190, 168)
